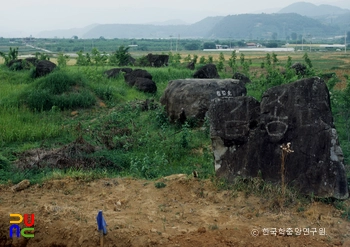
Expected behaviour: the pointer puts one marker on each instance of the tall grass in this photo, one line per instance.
(21, 125)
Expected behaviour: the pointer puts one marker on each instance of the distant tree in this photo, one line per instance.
(209, 45)
(177, 58)
(242, 58)
(121, 57)
(11, 55)
(274, 36)
(307, 60)
(274, 59)
(202, 60)
(220, 64)
(75, 37)
(42, 56)
(62, 60)
(271, 45)
(348, 36)
(240, 43)
(81, 59)
(232, 61)
(195, 58)
(294, 36)
(188, 58)
(192, 46)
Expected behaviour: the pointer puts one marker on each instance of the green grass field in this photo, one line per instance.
(130, 142)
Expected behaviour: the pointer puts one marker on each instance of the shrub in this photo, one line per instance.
(61, 89)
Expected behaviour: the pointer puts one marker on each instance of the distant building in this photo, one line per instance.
(253, 45)
(222, 46)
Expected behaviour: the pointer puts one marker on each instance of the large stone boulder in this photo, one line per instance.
(241, 77)
(157, 60)
(247, 138)
(44, 67)
(192, 97)
(20, 64)
(145, 85)
(114, 73)
(208, 71)
(130, 78)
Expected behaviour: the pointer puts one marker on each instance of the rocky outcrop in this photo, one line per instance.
(157, 60)
(247, 137)
(241, 77)
(114, 73)
(191, 98)
(44, 67)
(130, 78)
(208, 71)
(20, 64)
(145, 85)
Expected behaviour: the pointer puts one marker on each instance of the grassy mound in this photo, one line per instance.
(61, 89)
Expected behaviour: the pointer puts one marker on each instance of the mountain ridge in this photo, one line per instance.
(241, 26)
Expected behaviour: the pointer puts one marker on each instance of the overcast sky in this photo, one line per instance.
(31, 16)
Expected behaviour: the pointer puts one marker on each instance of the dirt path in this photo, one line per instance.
(187, 212)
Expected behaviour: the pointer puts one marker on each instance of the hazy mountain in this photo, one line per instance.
(295, 18)
(197, 30)
(265, 26)
(169, 22)
(312, 10)
(66, 33)
(203, 27)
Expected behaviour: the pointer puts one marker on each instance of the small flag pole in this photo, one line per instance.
(101, 238)
(101, 227)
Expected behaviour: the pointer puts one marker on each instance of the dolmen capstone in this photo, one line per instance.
(247, 136)
(20, 64)
(157, 60)
(192, 97)
(141, 79)
(115, 72)
(208, 71)
(44, 67)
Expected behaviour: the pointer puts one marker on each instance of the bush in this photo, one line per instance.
(61, 89)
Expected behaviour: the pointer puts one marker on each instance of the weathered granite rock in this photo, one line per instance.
(145, 85)
(192, 97)
(113, 73)
(247, 138)
(157, 60)
(20, 64)
(241, 77)
(44, 67)
(130, 78)
(208, 71)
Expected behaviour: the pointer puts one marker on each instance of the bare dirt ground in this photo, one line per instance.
(187, 212)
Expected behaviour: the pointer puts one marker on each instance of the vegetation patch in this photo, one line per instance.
(59, 89)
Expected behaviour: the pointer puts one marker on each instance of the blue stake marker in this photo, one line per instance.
(101, 223)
